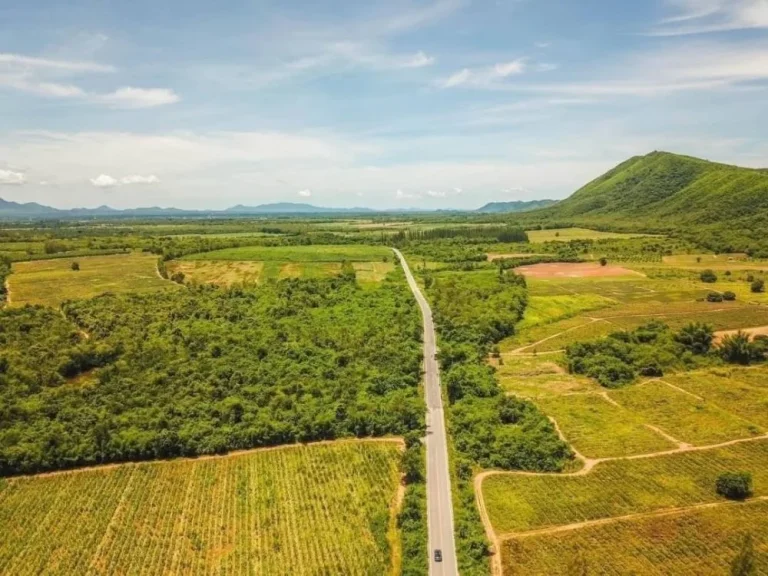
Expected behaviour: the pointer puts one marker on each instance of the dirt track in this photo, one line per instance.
(756, 331)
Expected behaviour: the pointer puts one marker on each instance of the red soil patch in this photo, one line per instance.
(574, 270)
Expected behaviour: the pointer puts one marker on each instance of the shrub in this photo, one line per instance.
(708, 276)
(736, 349)
(750, 277)
(758, 286)
(603, 261)
(75, 266)
(178, 277)
(734, 485)
(744, 563)
(714, 297)
(729, 296)
(696, 337)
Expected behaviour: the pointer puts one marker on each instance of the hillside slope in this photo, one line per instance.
(725, 207)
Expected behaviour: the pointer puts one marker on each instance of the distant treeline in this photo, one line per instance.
(483, 233)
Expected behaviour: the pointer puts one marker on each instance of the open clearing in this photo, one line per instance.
(758, 331)
(315, 509)
(568, 234)
(224, 273)
(51, 282)
(574, 270)
(312, 253)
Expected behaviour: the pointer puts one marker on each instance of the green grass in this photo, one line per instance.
(319, 253)
(568, 234)
(517, 503)
(703, 541)
(599, 429)
(681, 415)
(740, 397)
(547, 309)
(322, 509)
(50, 282)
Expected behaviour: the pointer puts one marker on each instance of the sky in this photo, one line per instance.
(396, 104)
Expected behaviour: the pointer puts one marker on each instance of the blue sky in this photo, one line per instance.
(441, 103)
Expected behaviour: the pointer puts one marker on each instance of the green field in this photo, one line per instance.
(317, 509)
(703, 541)
(316, 253)
(567, 234)
(517, 503)
(51, 282)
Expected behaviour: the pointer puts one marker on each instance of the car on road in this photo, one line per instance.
(438, 556)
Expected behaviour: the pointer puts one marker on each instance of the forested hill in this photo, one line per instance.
(724, 206)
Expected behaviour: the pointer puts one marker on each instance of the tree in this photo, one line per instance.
(412, 465)
(708, 277)
(603, 261)
(758, 286)
(744, 563)
(734, 485)
(736, 349)
(696, 337)
(75, 266)
(714, 297)
(178, 277)
(729, 296)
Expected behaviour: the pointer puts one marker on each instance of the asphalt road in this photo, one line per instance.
(439, 504)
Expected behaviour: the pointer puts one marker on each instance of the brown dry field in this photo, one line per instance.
(757, 331)
(496, 256)
(574, 270)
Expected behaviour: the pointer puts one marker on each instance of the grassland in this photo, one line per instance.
(314, 253)
(568, 234)
(518, 503)
(322, 509)
(50, 282)
(701, 541)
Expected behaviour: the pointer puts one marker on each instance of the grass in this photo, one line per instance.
(518, 503)
(323, 509)
(681, 415)
(219, 273)
(50, 282)
(568, 234)
(599, 429)
(703, 541)
(318, 253)
(727, 390)
(548, 309)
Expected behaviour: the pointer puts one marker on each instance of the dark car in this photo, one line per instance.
(438, 556)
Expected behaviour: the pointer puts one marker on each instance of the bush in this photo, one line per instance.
(750, 277)
(758, 286)
(178, 277)
(714, 297)
(736, 349)
(708, 276)
(75, 266)
(729, 296)
(603, 261)
(696, 337)
(734, 485)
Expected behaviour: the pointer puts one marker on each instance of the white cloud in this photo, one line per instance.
(12, 178)
(104, 181)
(305, 193)
(458, 190)
(436, 194)
(542, 45)
(138, 179)
(419, 60)
(129, 97)
(517, 190)
(705, 16)
(485, 76)
(33, 62)
(400, 195)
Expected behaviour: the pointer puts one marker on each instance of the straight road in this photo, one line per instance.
(439, 503)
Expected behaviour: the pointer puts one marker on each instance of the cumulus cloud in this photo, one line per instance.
(458, 190)
(400, 195)
(106, 181)
(435, 194)
(305, 193)
(12, 178)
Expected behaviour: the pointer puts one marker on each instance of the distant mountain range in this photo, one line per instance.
(11, 210)
(515, 206)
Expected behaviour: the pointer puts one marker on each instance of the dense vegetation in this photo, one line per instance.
(206, 370)
(473, 311)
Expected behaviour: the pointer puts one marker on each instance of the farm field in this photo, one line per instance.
(311, 509)
(519, 503)
(701, 541)
(568, 234)
(313, 253)
(51, 282)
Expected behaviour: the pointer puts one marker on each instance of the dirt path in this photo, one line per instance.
(755, 331)
(589, 465)
(232, 454)
(683, 390)
(638, 516)
(591, 321)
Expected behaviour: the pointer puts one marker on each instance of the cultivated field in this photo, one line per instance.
(317, 509)
(568, 234)
(314, 253)
(574, 270)
(50, 282)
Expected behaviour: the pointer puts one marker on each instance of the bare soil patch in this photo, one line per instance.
(574, 270)
(756, 331)
(501, 256)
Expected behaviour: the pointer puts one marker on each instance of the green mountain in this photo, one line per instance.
(724, 207)
(514, 206)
